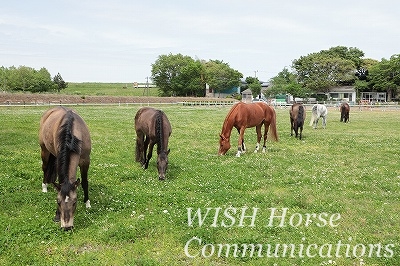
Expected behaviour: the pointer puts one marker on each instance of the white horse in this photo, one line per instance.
(318, 110)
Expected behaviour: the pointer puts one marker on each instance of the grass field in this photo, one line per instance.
(348, 175)
(109, 89)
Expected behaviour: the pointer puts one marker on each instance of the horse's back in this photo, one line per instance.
(255, 113)
(50, 125)
(145, 120)
(319, 110)
(297, 110)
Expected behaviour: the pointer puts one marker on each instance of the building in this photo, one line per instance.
(342, 94)
(210, 92)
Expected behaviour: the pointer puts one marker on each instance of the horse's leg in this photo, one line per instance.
(301, 132)
(48, 167)
(240, 142)
(139, 147)
(324, 121)
(85, 184)
(258, 130)
(296, 129)
(291, 126)
(315, 122)
(45, 159)
(145, 147)
(243, 150)
(150, 154)
(266, 126)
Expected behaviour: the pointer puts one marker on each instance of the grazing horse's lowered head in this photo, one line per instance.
(66, 201)
(65, 144)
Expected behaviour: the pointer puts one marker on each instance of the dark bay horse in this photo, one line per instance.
(152, 127)
(344, 112)
(318, 110)
(245, 115)
(65, 144)
(297, 117)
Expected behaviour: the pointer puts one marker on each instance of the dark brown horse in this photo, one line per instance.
(344, 112)
(297, 117)
(152, 127)
(65, 144)
(245, 115)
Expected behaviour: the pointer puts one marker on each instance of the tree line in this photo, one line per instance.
(311, 74)
(28, 79)
(180, 75)
(338, 66)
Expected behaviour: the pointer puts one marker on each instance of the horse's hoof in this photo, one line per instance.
(88, 204)
(161, 178)
(44, 187)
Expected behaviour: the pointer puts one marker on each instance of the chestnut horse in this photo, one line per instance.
(65, 144)
(344, 112)
(245, 115)
(152, 127)
(297, 117)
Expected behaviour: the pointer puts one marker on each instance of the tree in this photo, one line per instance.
(385, 76)
(220, 76)
(178, 75)
(25, 78)
(286, 83)
(319, 71)
(60, 83)
(254, 85)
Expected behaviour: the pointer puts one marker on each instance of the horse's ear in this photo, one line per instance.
(57, 186)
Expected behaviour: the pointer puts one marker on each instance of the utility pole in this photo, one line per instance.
(146, 88)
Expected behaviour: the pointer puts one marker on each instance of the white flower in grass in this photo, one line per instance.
(165, 211)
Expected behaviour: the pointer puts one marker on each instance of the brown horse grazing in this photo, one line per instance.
(297, 117)
(152, 126)
(245, 115)
(65, 144)
(344, 112)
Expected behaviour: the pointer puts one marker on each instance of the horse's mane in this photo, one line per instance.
(228, 115)
(67, 144)
(159, 131)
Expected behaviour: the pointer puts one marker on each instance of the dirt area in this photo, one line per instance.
(38, 99)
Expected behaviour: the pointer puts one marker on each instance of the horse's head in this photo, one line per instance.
(66, 200)
(162, 164)
(224, 145)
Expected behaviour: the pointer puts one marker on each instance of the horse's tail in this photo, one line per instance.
(300, 116)
(67, 144)
(272, 126)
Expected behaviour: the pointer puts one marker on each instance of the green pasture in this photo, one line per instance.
(109, 89)
(345, 178)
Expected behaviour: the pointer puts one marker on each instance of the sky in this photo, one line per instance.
(118, 41)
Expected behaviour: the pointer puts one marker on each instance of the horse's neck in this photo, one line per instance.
(229, 122)
(227, 128)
